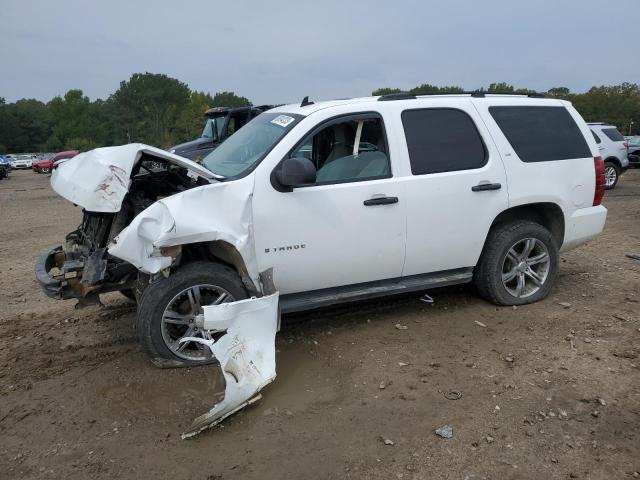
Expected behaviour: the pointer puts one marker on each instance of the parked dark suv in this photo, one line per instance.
(222, 122)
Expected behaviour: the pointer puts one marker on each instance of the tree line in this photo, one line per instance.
(618, 105)
(163, 111)
(148, 108)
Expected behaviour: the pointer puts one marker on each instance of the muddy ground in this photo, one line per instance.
(549, 390)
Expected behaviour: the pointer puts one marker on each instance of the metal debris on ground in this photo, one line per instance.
(633, 256)
(445, 432)
(453, 395)
(401, 327)
(427, 299)
(246, 352)
(480, 323)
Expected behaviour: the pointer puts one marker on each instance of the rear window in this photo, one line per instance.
(613, 134)
(442, 140)
(541, 134)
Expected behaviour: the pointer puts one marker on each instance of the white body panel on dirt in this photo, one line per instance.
(246, 353)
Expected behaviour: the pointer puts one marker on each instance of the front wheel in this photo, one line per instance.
(44, 170)
(519, 264)
(611, 175)
(167, 310)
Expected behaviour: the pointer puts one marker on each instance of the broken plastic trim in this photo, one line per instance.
(246, 353)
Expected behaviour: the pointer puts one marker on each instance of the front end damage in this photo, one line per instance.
(145, 213)
(113, 185)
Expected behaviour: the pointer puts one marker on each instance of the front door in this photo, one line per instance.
(348, 227)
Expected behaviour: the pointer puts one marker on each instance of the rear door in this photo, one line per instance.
(456, 188)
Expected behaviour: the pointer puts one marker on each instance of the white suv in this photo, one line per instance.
(614, 149)
(342, 201)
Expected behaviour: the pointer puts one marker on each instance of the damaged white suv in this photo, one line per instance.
(343, 200)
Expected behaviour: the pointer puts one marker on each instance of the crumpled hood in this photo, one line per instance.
(98, 180)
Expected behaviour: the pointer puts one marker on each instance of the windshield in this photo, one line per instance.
(213, 127)
(249, 145)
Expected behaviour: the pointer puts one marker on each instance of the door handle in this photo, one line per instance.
(380, 201)
(481, 187)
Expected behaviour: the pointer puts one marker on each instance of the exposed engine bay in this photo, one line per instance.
(82, 266)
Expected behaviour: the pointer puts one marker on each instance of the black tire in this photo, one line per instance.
(612, 168)
(488, 274)
(44, 170)
(130, 293)
(157, 297)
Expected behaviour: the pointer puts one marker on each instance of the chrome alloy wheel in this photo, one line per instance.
(610, 176)
(179, 320)
(525, 267)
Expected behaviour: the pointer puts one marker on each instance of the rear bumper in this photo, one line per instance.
(583, 225)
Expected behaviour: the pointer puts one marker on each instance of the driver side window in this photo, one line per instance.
(351, 150)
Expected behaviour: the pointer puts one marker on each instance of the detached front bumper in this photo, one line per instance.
(55, 285)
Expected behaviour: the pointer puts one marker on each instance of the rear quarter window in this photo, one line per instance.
(613, 134)
(541, 134)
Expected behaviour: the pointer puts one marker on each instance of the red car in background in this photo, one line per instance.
(45, 166)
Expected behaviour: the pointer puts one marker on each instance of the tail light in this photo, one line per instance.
(598, 163)
(626, 145)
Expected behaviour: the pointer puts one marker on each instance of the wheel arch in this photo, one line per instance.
(222, 252)
(547, 214)
(613, 160)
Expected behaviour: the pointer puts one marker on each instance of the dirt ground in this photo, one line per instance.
(549, 390)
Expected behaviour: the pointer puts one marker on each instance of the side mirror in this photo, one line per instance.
(296, 172)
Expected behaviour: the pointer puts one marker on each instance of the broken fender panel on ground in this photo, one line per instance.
(220, 211)
(247, 354)
(98, 180)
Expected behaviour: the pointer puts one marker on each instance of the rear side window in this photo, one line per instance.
(596, 137)
(613, 134)
(442, 140)
(541, 134)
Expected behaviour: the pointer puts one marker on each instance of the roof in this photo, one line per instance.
(314, 107)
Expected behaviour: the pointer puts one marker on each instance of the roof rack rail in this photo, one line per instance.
(397, 96)
(482, 94)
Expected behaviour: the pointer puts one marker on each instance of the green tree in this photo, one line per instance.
(191, 120)
(229, 99)
(385, 91)
(614, 104)
(148, 106)
(24, 125)
(501, 87)
(426, 88)
(74, 117)
(559, 92)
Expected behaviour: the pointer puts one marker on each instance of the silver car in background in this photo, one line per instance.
(614, 150)
(22, 161)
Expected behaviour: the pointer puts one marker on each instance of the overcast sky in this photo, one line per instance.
(278, 51)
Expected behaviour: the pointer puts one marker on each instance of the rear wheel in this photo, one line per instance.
(611, 175)
(168, 308)
(519, 264)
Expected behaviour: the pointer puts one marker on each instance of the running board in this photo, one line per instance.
(297, 302)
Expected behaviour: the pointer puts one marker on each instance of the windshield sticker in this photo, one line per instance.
(282, 120)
